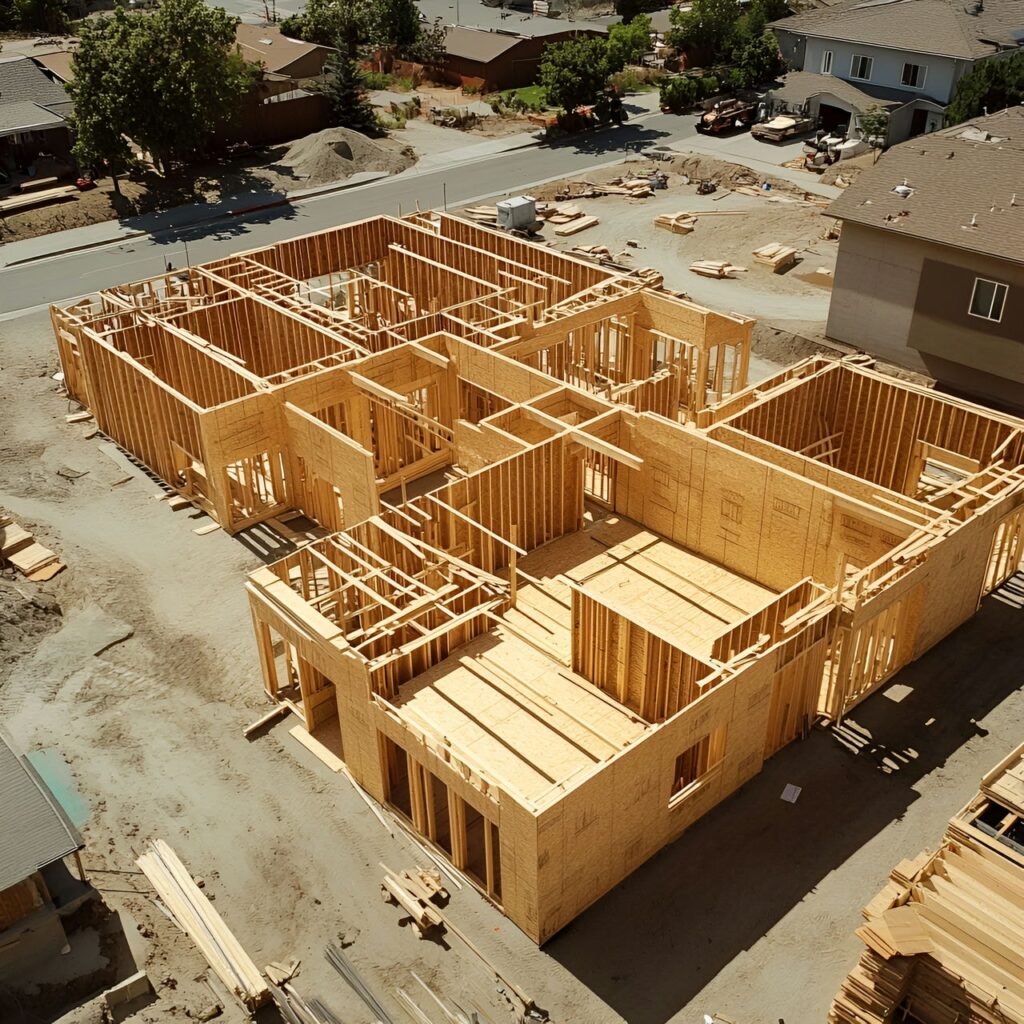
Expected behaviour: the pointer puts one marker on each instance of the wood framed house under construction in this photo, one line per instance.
(579, 581)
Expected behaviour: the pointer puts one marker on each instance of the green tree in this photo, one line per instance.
(346, 95)
(429, 48)
(991, 86)
(759, 13)
(186, 77)
(165, 80)
(326, 21)
(627, 43)
(38, 15)
(98, 90)
(573, 73)
(756, 61)
(393, 25)
(710, 26)
(678, 94)
(874, 125)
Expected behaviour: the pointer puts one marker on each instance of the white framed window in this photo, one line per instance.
(826, 62)
(988, 299)
(914, 75)
(860, 67)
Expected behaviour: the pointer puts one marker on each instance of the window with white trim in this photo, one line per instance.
(914, 75)
(988, 299)
(826, 62)
(860, 67)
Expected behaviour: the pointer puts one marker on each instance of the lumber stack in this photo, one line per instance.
(575, 225)
(776, 255)
(715, 268)
(25, 553)
(193, 913)
(678, 223)
(945, 937)
(631, 187)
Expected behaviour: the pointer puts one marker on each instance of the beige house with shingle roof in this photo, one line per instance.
(906, 56)
(930, 272)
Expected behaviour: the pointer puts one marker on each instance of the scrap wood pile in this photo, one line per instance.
(568, 217)
(604, 257)
(945, 937)
(193, 913)
(417, 892)
(632, 187)
(25, 553)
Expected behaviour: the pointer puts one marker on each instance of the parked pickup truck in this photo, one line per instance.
(783, 126)
(726, 116)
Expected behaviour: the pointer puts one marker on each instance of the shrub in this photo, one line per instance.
(679, 94)
(709, 86)
(376, 80)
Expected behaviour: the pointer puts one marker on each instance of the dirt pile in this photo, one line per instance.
(337, 153)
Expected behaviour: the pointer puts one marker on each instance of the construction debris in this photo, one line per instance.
(416, 892)
(636, 187)
(341, 963)
(191, 911)
(776, 256)
(20, 548)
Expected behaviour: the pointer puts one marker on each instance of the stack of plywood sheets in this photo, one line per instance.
(776, 256)
(715, 268)
(945, 937)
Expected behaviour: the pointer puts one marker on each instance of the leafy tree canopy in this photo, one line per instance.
(709, 26)
(573, 73)
(627, 43)
(991, 86)
(165, 80)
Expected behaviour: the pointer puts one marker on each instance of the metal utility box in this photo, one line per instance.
(518, 214)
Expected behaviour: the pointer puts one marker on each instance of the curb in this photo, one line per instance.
(289, 198)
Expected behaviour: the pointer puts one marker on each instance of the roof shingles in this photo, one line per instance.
(967, 193)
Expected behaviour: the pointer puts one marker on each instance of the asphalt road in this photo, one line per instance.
(58, 278)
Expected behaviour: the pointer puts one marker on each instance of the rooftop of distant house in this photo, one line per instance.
(34, 829)
(963, 29)
(962, 186)
(277, 53)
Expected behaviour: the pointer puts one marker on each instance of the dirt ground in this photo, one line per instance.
(147, 675)
(264, 171)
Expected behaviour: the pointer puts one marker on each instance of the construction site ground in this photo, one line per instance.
(729, 226)
(137, 664)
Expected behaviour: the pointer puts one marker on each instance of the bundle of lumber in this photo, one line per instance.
(677, 223)
(416, 892)
(776, 255)
(20, 548)
(487, 215)
(193, 913)
(576, 225)
(715, 268)
(945, 937)
(633, 188)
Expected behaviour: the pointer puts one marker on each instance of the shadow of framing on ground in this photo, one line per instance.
(653, 943)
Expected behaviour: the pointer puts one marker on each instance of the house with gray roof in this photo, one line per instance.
(930, 273)
(35, 888)
(34, 112)
(903, 56)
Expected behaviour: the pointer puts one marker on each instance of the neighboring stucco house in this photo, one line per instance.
(930, 272)
(497, 59)
(905, 56)
(36, 889)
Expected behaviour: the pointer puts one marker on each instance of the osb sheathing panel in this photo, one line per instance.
(750, 517)
(241, 429)
(480, 446)
(334, 458)
(499, 374)
(609, 824)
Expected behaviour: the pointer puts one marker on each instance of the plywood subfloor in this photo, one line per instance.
(658, 584)
(519, 716)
